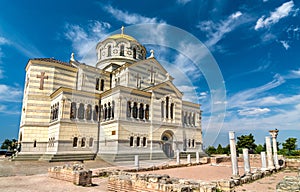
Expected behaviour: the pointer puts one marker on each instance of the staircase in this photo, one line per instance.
(130, 157)
(26, 157)
(67, 157)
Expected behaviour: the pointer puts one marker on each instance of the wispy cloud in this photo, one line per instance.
(84, 40)
(281, 12)
(285, 44)
(10, 94)
(244, 98)
(183, 2)
(253, 111)
(217, 31)
(129, 18)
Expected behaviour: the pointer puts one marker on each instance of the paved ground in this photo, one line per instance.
(31, 176)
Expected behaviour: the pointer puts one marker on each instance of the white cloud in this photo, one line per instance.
(283, 11)
(84, 40)
(216, 31)
(3, 41)
(129, 18)
(10, 94)
(244, 98)
(183, 2)
(285, 44)
(253, 111)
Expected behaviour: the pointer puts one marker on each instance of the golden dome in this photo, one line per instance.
(122, 36)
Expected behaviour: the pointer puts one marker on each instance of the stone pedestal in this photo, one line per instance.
(177, 157)
(246, 162)
(234, 162)
(189, 158)
(136, 161)
(263, 161)
(197, 157)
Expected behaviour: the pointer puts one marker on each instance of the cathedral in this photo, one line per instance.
(124, 105)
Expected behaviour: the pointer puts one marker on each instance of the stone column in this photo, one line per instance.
(197, 157)
(274, 134)
(234, 162)
(177, 157)
(189, 158)
(246, 162)
(269, 153)
(131, 112)
(263, 161)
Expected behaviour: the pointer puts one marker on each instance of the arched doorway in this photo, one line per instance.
(167, 143)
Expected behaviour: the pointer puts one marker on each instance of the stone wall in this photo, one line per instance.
(289, 183)
(292, 163)
(76, 174)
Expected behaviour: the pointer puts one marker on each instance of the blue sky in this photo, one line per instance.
(256, 45)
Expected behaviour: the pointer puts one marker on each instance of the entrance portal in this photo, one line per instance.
(167, 143)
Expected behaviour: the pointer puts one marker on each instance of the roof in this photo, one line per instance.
(52, 60)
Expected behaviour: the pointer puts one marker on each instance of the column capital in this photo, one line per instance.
(274, 133)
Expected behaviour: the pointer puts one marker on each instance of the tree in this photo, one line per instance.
(220, 149)
(259, 148)
(289, 144)
(210, 150)
(246, 141)
(9, 144)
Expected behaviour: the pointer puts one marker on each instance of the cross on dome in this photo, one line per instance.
(122, 30)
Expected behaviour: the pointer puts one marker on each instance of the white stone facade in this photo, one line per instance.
(127, 105)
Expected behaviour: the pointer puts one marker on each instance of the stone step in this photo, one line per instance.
(130, 157)
(67, 157)
(26, 157)
(184, 155)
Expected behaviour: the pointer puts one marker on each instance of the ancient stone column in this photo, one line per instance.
(263, 161)
(274, 134)
(234, 162)
(269, 153)
(246, 162)
(177, 157)
(136, 161)
(189, 158)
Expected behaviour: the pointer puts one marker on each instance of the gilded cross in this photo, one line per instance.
(151, 74)
(122, 30)
(42, 78)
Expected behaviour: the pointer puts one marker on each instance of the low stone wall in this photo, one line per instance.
(292, 163)
(128, 182)
(76, 174)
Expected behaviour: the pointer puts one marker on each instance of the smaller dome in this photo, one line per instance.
(119, 36)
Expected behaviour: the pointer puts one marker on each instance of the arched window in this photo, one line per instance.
(83, 142)
(128, 109)
(34, 143)
(122, 50)
(172, 111)
(56, 111)
(91, 141)
(167, 107)
(109, 51)
(144, 141)
(81, 111)
(102, 85)
(95, 113)
(97, 83)
(88, 114)
(75, 141)
(134, 53)
(131, 141)
(162, 109)
(135, 110)
(138, 141)
(73, 110)
(109, 111)
(147, 112)
(189, 143)
(193, 143)
(51, 115)
(105, 111)
(141, 111)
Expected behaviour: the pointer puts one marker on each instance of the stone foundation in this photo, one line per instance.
(76, 174)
